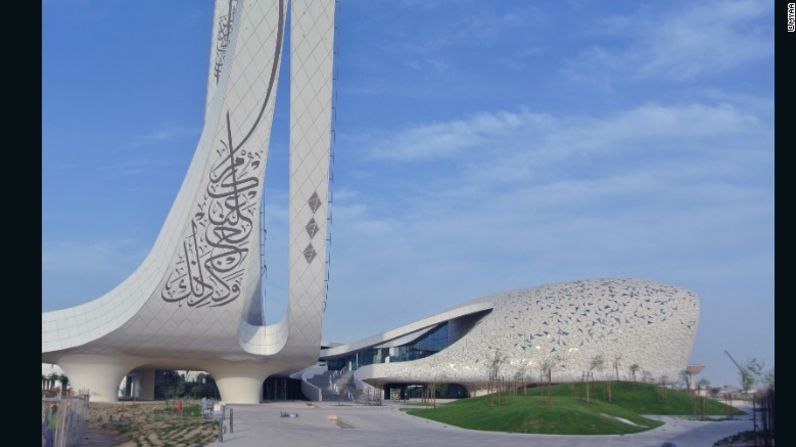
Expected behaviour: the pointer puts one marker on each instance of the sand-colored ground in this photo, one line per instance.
(133, 424)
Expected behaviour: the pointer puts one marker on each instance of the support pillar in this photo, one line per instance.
(144, 383)
(100, 375)
(240, 382)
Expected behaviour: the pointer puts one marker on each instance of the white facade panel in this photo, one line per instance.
(627, 321)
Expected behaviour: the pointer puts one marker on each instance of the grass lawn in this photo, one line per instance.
(532, 414)
(642, 398)
(569, 413)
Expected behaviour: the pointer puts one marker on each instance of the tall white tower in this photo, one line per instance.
(194, 301)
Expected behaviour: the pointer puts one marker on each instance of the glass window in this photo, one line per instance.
(429, 343)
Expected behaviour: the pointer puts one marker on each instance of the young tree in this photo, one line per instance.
(528, 377)
(686, 378)
(633, 370)
(750, 373)
(494, 366)
(703, 383)
(64, 382)
(596, 364)
(616, 362)
(769, 378)
(434, 387)
(700, 401)
(662, 389)
(519, 377)
(546, 367)
(51, 379)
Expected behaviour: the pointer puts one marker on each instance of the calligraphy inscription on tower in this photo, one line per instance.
(209, 268)
(222, 38)
(210, 265)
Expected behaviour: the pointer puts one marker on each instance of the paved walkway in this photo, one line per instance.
(97, 437)
(327, 424)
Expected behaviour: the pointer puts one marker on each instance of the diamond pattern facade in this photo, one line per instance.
(314, 202)
(312, 228)
(309, 253)
(627, 320)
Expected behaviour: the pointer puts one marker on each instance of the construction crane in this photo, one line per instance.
(733, 360)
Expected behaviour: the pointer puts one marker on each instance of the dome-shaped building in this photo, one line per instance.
(565, 326)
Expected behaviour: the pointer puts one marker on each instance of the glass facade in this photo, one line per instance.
(400, 391)
(429, 343)
(282, 388)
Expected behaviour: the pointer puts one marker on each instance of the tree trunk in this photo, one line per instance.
(549, 386)
(587, 392)
(610, 397)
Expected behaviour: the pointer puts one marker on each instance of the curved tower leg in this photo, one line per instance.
(240, 382)
(100, 375)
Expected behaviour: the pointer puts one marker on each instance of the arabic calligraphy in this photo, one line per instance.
(209, 268)
(222, 38)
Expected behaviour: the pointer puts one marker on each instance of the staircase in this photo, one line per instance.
(326, 382)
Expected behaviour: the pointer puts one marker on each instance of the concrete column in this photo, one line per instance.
(100, 375)
(240, 382)
(144, 384)
(147, 388)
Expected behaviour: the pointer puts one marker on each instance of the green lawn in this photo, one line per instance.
(643, 398)
(569, 413)
(532, 414)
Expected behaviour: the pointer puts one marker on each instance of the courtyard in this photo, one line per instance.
(329, 424)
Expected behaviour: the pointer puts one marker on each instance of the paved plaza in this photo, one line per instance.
(328, 424)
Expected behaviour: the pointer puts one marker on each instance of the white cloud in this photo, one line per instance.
(445, 139)
(530, 138)
(673, 192)
(467, 24)
(92, 258)
(163, 135)
(136, 166)
(700, 40)
(649, 126)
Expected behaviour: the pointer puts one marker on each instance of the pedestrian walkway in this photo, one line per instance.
(97, 437)
(328, 424)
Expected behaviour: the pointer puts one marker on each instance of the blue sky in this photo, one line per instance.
(480, 146)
